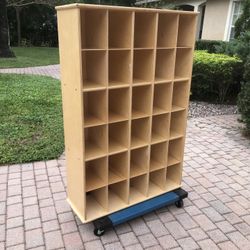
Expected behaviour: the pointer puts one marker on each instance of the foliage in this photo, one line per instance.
(244, 97)
(31, 56)
(243, 23)
(209, 45)
(216, 77)
(31, 118)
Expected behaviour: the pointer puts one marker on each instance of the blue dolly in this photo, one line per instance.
(174, 197)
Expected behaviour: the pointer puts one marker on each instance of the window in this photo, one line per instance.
(236, 12)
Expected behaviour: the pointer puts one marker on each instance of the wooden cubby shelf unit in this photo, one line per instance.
(126, 75)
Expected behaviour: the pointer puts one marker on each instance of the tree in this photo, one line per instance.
(243, 23)
(4, 32)
(18, 5)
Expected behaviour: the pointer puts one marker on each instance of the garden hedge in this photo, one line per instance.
(209, 45)
(216, 77)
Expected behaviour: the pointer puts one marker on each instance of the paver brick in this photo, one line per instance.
(167, 241)
(32, 224)
(217, 236)
(139, 227)
(133, 247)
(34, 238)
(53, 240)
(69, 227)
(96, 244)
(31, 212)
(204, 222)
(176, 230)
(198, 234)
(73, 241)
(157, 228)
(239, 240)
(225, 226)
(147, 240)
(14, 236)
(207, 244)
(227, 245)
(188, 243)
(14, 222)
(51, 225)
(109, 237)
(128, 239)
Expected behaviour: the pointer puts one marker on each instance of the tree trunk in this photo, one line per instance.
(19, 35)
(4, 32)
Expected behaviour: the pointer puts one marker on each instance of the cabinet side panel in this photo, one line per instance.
(71, 82)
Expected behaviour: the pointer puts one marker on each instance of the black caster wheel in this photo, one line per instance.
(179, 203)
(99, 232)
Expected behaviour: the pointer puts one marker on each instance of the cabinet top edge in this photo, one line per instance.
(121, 8)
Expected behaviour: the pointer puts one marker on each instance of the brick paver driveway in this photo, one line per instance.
(35, 215)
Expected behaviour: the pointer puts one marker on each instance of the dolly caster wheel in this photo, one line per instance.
(179, 203)
(99, 232)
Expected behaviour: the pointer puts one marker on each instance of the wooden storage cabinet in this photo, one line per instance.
(125, 84)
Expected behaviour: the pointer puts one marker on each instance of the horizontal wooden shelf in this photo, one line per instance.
(176, 108)
(175, 135)
(93, 181)
(136, 170)
(93, 152)
(90, 86)
(172, 160)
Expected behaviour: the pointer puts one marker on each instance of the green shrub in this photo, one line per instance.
(209, 45)
(244, 97)
(216, 77)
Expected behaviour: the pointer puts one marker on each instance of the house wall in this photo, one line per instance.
(215, 20)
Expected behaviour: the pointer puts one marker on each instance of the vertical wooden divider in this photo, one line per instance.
(130, 99)
(152, 94)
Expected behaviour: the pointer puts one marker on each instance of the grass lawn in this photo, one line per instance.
(31, 56)
(31, 126)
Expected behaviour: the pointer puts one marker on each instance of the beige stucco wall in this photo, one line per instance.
(214, 26)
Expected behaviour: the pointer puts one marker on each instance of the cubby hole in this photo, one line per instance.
(164, 70)
(95, 71)
(119, 67)
(94, 29)
(180, 96)
(175, 151)
(157, 182)
(139, 161)
(183, 64)
(96, 173)
(118, 137)
(119, 104)
(95, 142)
(160, 128)
(158, 156)
(118, 195)
(167, 30)
(138, 188)
(96, 203)
(173, 177)
(186, 30)
(140, 132)
(143, 66)
(145, 30)
(162, 98)
(118, 167)
(178, 124)
(120, 29)
(141, 101)
(95, 108)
